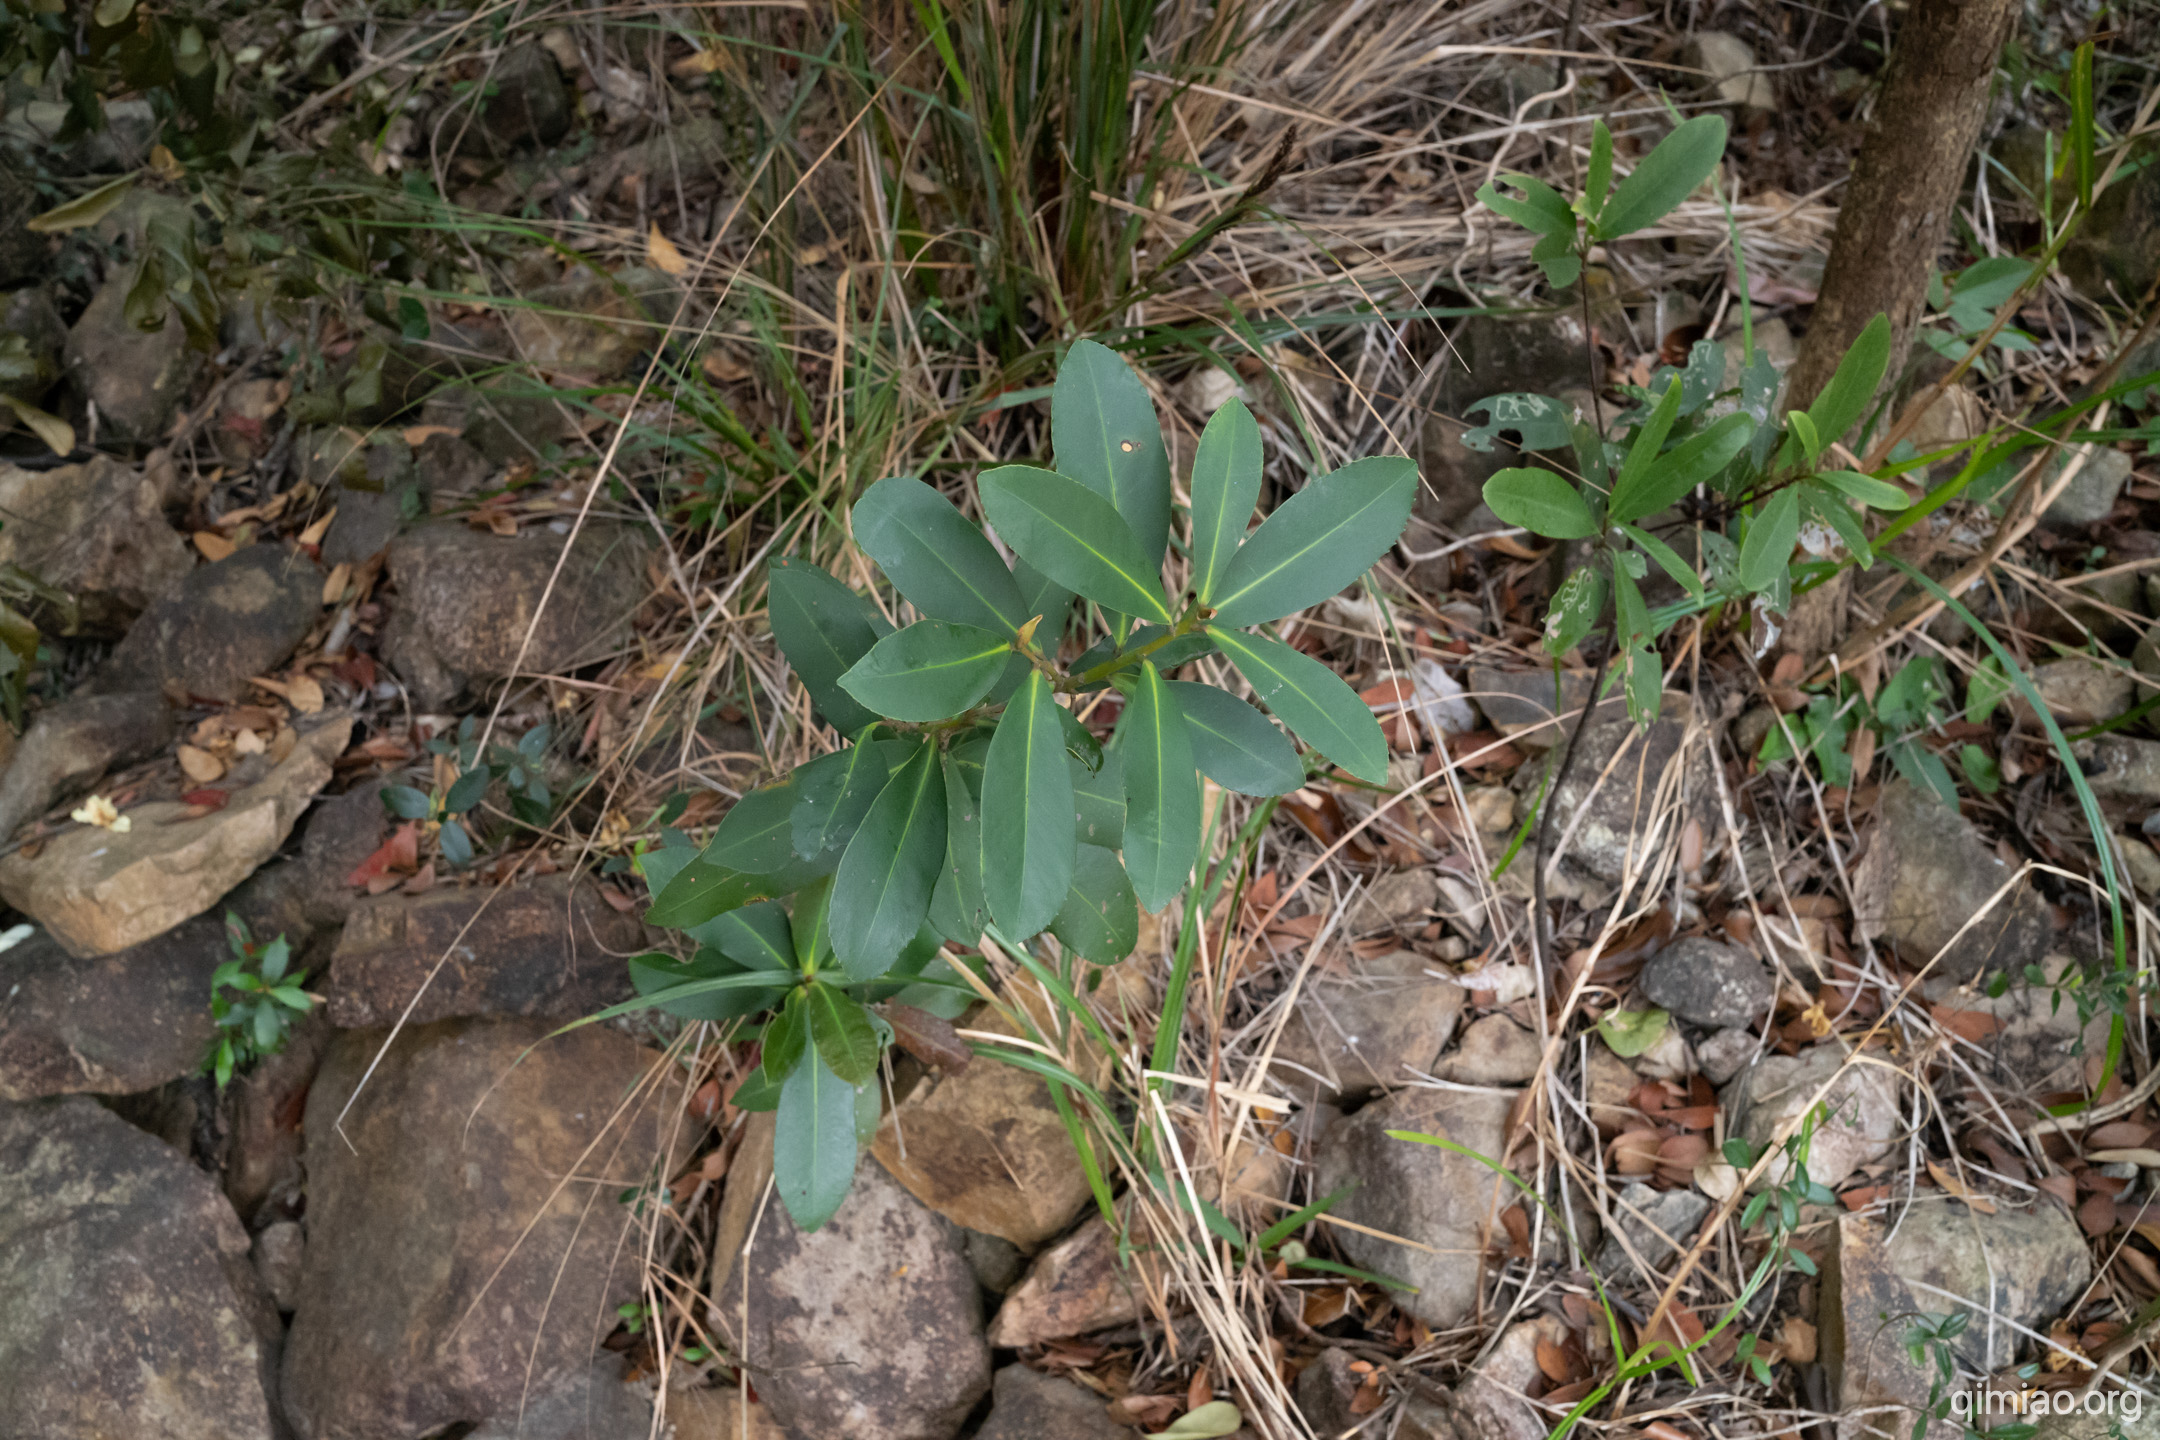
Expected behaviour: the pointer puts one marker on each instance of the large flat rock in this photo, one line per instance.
(458, 1256)
(127, 1304)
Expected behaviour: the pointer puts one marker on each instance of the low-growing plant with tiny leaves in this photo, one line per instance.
(968, 797)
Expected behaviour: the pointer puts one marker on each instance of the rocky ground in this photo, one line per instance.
(265, 619)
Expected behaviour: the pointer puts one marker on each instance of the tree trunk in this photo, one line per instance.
(1904, 188)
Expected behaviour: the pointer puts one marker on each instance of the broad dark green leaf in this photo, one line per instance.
(1844, 402)
(1040, 595)
(1668, 559)
(1225, 488)
(1104, 434)
(810, 927)
(1768, 547)
(957, 908)
(1832, 510)
(932, 670)
(1312, 700)
(1643, 675)
(936, 557)
(1318, 541)
(1597, 181)
(1072, 534)
(833, 793)
(1168, 657)
(787, 1036)
(1079, 740)
(1631, 618)
(755, 936)
(757, 835)
(841, 1030)
(657, 974)
(699, 892)
(1162, 790)
(1873, 493)
(881, 891)
(1100, 918)
(814, 1146)
(1643, 453)
(1538, 422)
(1099, 801)
(823, 627)
(1027, 802)
(1576, 608)
(1542, 503)
(1694, 461)
(1235, 745)
(1664, 177)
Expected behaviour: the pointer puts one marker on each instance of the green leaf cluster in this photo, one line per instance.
(1703, 482)
(254, 998)
(968, 795)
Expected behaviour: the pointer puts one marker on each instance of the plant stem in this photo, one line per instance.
(1541, 919)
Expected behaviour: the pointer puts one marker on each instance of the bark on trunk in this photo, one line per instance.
(1904, 188)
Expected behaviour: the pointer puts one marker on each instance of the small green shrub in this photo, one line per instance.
(969, 797)
(253, 1000)
(1688, 437)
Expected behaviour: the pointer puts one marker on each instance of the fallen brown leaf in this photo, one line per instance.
(214, 547)
(200, 765)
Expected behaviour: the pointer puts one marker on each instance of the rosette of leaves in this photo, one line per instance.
(968, 797)
(1753, 482)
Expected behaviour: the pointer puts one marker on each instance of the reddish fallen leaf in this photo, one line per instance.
(1552, 1360)
(2097, 1215)
(927, 1038)
(401, 852)
(1862, 1196)
(206, 799)
(2118, 1135)
(1635, 1152)
(621, 903)
(1971, 1025)
(423, 880)
(1200, 1390)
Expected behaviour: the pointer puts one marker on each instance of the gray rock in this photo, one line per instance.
(2016, 1267)
(32, 337)
(135, 380)
(1708, 983)
(1926, 873)
(1368, 1029)
(2078, 692)
(277, 1252)
(1617, 774)
(109, 1025)
(2117, 252)
(870, 1327)
(1325, 1389)
(1649, 1226)
(340, 832)
(447, 465)
(525, 104)
(1492, 1404)
(95, 530)
(1860, 1119)
(1542, 354)
(442, 1191)
(550, 948)
(372, 506)
(22, 251)
(1733, 69)
(75, 742)
(2121, 767)
(1725, 1054)
(997, 1262)
(592, 324)
(1029, 1405)
(224, 623)
(127, 1305)
(1402, 900)
(1494, 1051)
(466, 600)
(1420, 1192)
(1521, 703)
(592, 1404)
(2039, 1045)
